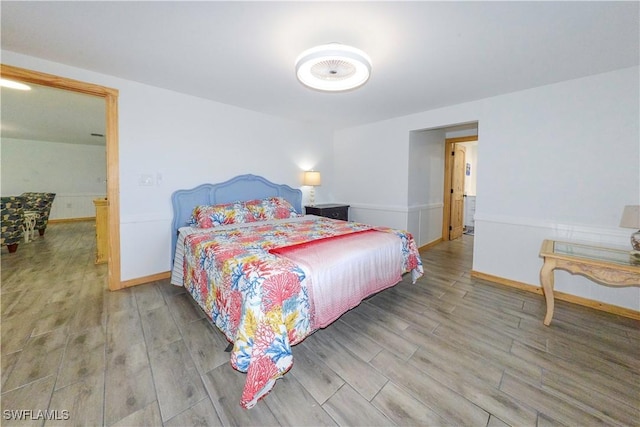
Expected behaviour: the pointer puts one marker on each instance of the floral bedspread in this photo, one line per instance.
(259, 300)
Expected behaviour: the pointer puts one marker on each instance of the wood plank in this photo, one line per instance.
(83, 357)
(40, 358)
(316, 377)
(34, 396)
(177, 383)
(355, 341)
(149, 416)
(8, 362)
(380, 334)
(347, 407)
(15, 333)
(597, 341)
(382, 316)
(441, 399)
(129, 384)
(625, 392)
(593, 397)
(224, 386)
(404, 410)
(601, 360)
(148, 297)
(89, 313)
(168, 290)
(359, 374)
(183, 310)
(398, 308)
(123, 300)
(10, 300)
(470, 385)
(159, 328)
(83, 401)
(206, 345)
(54, 316)
(124, 330)
(201, 414)
(556, 407)
(295, 405)
(439, 353)
(482, 349)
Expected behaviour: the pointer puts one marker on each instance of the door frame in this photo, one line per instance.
(448, 169)
(113, 185)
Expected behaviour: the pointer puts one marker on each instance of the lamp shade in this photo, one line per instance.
(631, 217)
(311, 178)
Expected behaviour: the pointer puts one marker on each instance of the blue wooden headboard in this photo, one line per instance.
(242, 187)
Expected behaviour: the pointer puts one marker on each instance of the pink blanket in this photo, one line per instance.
(344, 270)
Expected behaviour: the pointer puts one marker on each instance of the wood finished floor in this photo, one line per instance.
(449, 350)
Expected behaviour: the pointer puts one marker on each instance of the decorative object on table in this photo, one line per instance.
(40, 203)
(312, 179)
(30, 219)
(333, 67)
(631, 219)
(12, 222)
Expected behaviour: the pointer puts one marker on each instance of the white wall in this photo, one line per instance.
(371, 167)
(185, 141)
(558, 161)
(76, 173)
(426, 184)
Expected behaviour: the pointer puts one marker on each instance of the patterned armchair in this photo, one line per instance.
(41, 203)
(12, 222)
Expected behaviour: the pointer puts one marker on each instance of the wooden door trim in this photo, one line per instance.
(113, 185)
(448, 166)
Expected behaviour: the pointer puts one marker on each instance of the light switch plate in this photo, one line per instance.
(146, 180)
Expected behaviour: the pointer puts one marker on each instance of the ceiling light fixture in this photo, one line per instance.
(14, 85)
(333, 67)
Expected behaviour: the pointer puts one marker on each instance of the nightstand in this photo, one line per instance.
(329, 210)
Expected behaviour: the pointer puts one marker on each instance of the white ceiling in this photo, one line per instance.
(424, 54)
(55, 115)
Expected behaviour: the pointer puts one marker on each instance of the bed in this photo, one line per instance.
(268, 276)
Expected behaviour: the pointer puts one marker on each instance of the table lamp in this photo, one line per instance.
(312, 178)
(631, 219)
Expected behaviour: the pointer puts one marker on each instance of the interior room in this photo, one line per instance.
(484, 135)
(53, 140)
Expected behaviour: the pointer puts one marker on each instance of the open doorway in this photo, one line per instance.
(53, 141)
(111, 141)
(459, 187)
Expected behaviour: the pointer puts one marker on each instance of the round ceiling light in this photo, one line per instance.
(333, 67)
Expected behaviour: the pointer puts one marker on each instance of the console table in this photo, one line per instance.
(608, 266)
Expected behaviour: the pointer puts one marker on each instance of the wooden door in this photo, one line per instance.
(456, 222)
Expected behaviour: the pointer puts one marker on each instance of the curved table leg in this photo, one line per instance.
(546, 279)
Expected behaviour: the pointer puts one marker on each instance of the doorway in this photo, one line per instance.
(111, 103)
(456, 171)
